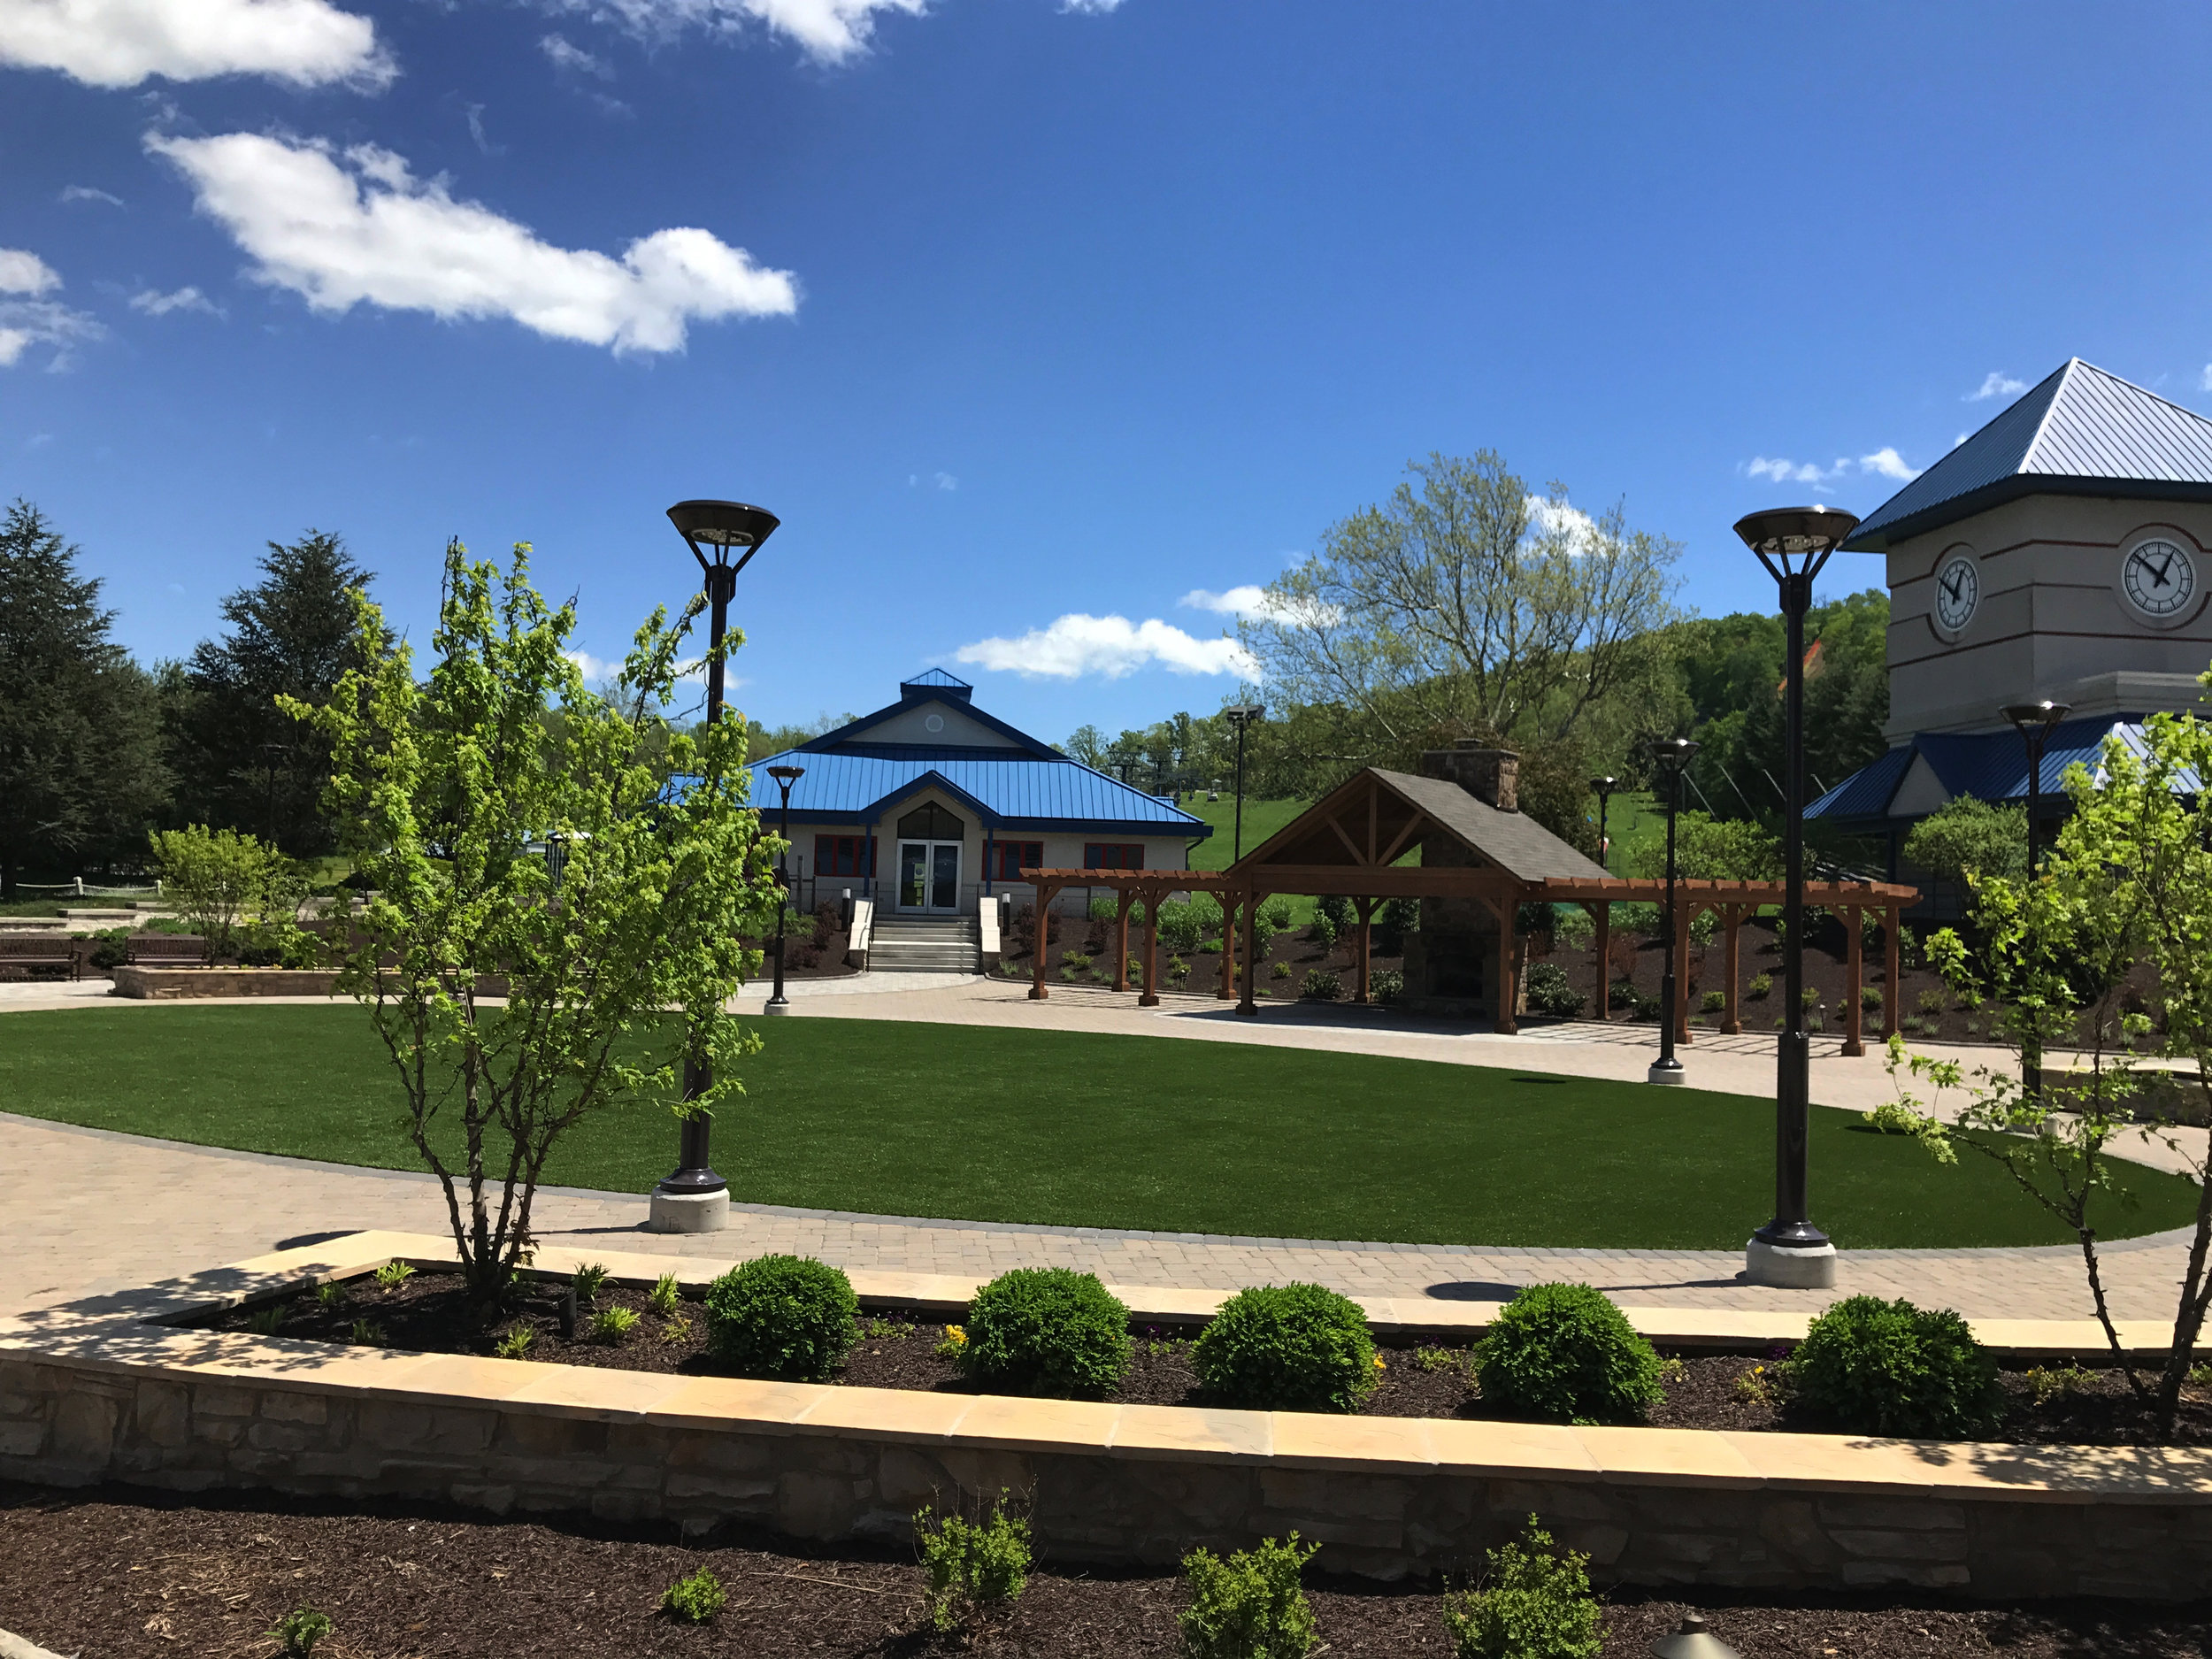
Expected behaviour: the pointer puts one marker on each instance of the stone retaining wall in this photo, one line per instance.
(168, 984)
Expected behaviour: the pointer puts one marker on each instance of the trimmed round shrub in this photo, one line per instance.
(1877, 1367)
(782, 1316)
(1047, 1330)
(1288, 1347)
(1566, 1353)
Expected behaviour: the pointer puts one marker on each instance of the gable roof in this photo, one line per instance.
(1990, 765)
(1515, 842)
(2079, 432)
(939, 678)
(1005, 790)
(933, 685)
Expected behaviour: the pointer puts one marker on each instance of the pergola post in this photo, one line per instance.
(1037, 991)
(1680, 1012)
(1509, 982)
(1892, 992)
(1121, 938)
(1853, 977)
(1601, 912)
(1731, 1014)
(1364, 982)
(1228, 986)
(1151, 995)
(1248, 1003)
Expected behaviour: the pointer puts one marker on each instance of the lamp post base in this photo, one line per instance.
(689, 1212)
(776, 1007)
(1790, 1266)
(1666, 1072)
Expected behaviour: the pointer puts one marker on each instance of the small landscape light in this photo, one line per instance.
(1692, 1641)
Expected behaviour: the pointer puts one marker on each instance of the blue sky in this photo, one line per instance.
(1018, 312)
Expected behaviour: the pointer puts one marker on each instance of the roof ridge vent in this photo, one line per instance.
(936, 682)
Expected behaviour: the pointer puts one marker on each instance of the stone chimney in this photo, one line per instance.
(1491, 775)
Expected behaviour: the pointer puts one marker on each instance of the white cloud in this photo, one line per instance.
(1996, 383)
(1246, 603)
(1787, 472)
(156, 303)
(2205, 385)
(86, 193)
(357, 227)
(121, 42)
(568, 56)
(828, 31)
(1090, 8)
(945, 480)
(1112, 647)
(22, 272)
(1886, 462)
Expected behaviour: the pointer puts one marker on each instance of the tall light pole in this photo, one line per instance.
(785, 777)
(1668, 757)
(1794, 543)
(1241, 715)
(1603, 788)
(723, 536)
(2035, 722)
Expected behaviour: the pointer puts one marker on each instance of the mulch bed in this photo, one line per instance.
(429, 1313)
(119, 1574)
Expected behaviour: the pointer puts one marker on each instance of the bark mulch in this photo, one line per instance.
(115, 1574)
(428, 1313)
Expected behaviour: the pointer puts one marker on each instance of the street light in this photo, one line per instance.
(785, 777)
(1603, 788)
(1670, 756)
(2035, 722)
(693, 1198)
(1794, 543)
(1241, 715)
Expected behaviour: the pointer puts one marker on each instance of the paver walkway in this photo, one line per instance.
(87, 1210)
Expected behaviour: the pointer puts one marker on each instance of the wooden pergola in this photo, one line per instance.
(1349, 844)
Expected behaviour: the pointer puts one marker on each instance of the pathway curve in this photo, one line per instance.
(89, 1210)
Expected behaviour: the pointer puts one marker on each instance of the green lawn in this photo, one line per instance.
(1103, 1131)
(1261, 818)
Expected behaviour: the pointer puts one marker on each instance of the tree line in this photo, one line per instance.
(97, 752)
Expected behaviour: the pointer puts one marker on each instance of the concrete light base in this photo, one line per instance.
(777, 1008)
(1787, 1267)
(1675, 1073)
(689, 1212)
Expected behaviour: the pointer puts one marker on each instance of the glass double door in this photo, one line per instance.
(929, 876)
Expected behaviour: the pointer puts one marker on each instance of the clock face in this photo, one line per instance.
(1958, 590)
(2159, 578)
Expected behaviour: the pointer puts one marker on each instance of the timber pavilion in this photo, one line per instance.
(1480, 859)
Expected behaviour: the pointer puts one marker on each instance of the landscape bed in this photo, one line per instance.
(2047, 1402)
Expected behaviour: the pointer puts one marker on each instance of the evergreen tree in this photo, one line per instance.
(79, 774)
(241, 762)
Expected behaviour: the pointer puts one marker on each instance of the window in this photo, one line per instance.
(931, 823)
(1009, 859)
(844, 855)
(1113, 856)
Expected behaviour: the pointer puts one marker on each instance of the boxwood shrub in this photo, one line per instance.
(1287, 1348)
(1047, 1330)
(782, 1316)
(1877, 1367)
(1566, 1353)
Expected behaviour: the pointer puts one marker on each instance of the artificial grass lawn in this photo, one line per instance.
(987, 1124)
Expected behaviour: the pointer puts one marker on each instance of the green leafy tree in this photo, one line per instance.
(1712, 849)
(2130, 881)
(81, 776)
(218, 881)
(764, 741)
(615, 982)
(1967, 837)
(238, 758)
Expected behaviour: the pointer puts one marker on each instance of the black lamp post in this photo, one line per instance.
(2035, 722)
(723, 536)
(785, 777)
(1668, 757)
(1603, 788)
(1240, 716)
(1794, 543)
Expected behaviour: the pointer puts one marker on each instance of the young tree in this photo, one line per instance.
(2128, 881)
(79, 777)
(293, 633)
(615, 975)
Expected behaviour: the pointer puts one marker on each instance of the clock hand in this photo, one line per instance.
(1950, 587)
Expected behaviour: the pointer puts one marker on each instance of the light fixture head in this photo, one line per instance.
(1605, 786)
(1240, 714)
(1672, 752)
(1807, 535)
(2030, 716)
(727, 526)
(787, 775)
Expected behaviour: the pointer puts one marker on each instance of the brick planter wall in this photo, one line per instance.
(169, 983)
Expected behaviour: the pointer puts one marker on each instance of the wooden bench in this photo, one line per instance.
(165, 951)
(39, 950)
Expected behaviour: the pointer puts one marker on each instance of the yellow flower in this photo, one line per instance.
(1378, 1363)
(954, 1333)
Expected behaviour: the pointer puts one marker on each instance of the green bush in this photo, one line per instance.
(1047, 1330)
(1342, 914)
(1713, 1003)
(1761, 984)
(972, 1565)
(109, 948)
(1182, 925)
(1288, 1347)
(1573, 929)
(1322, 931)
(1871, 998)
(1250, 1606)
(694, 1600)
(1565, 1352)
(1549, 992)
(1534, 1604)
(1322, 985)
(782, 1316)
(1876, 1367)
(1388, 985)
(298, 1631)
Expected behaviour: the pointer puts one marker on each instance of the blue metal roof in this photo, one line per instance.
(1993, 765)
(1004, 789)
(2080, 431)
(939, 678)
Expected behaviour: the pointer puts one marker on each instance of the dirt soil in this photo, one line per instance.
(122, 1575)
(2048, 1404)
